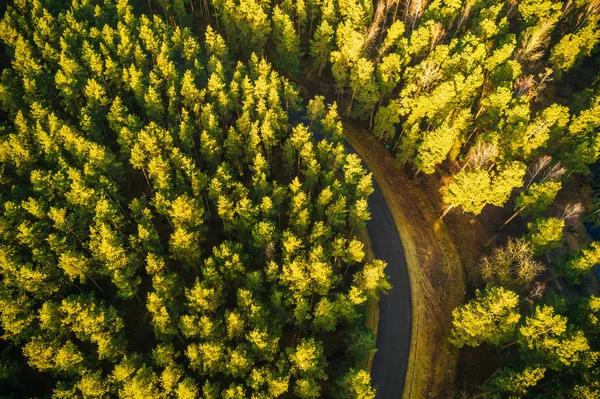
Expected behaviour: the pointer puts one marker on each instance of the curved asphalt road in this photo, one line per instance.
(395, 317)
(395, 309)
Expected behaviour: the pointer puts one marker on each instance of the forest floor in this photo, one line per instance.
(435, 268)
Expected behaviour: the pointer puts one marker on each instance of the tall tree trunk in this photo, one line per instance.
(371, 121)
(514, 215)
(446, 211)
(379, 18)
(95, 283)
(351, 102)
(382, 30)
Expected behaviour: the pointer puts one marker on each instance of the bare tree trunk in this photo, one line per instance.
(351, 102)
(446, 211)
(514, 215)
(379, 18)
(371, 121)
(95, 283)
(384, 21)
(147, 181)
(398, 140)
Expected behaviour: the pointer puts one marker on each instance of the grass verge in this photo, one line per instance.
(436, 276)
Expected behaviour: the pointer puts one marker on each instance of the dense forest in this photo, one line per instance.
(167, 231)
(178, 221)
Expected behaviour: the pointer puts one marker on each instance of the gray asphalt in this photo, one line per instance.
(388, 373)
(393, 340)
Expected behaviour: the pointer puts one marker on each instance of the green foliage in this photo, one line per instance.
(490, 317)
(356, 384)
(170, 228)
(386, 120)
(513, 382)
(364, 88)
(437, 143)
(537, 197)
(545, 234)
(581, 144)
(469, 190)
(573, 47)
(246, 24)
(287, 42)
(156, 167)
(546, 333)
(321, 46)
(509, 177)
(582, 261)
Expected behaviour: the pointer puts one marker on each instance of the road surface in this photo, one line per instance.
(393, 339)
(395, 309)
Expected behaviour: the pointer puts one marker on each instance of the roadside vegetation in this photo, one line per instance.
(178, 221)
(437, 281)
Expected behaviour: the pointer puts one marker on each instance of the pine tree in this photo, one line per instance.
(287, 42)
(386, 119)
(582, 261)
(364, 89)
(356, 384)
(468, 190)
(545, 234)
(490, 317)
(321, 46)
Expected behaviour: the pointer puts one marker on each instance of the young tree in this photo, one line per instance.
(468, 190)
(356, 384)
(490, 317)
(535, 198)
(582, 261)
(435, 145)
(307, 359)
(509, 177)
(389, 74)
(364, 89)
(315, 110)
(287, 42)
(321, 46)
(386, 119)
(510, 381)
(580, 147)
(545, 234)
(546, 333)
(246, 23)
(573, 47)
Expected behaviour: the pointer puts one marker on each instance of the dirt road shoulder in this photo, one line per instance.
(436, 277)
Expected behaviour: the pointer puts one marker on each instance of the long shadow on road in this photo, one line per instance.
(393, 339)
